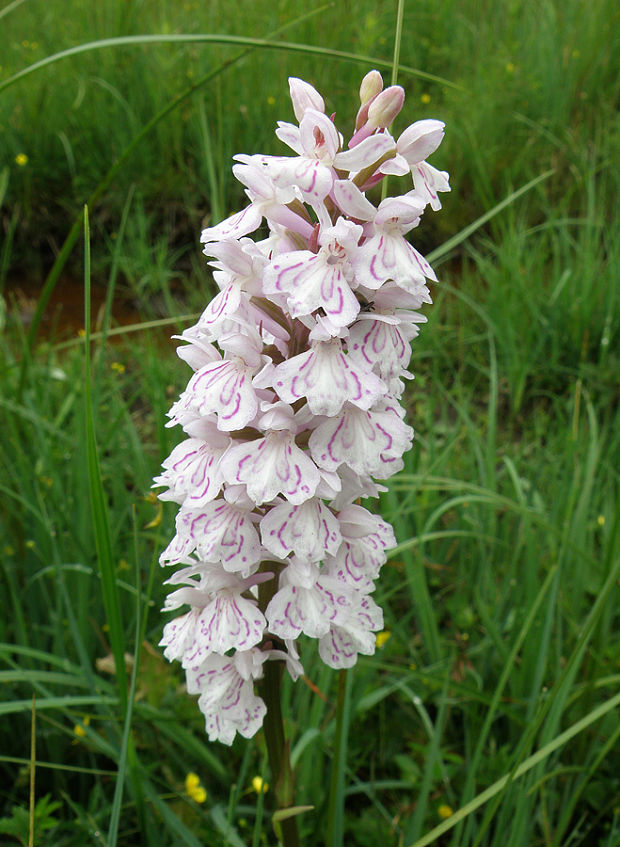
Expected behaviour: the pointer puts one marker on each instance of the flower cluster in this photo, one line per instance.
(292, 412)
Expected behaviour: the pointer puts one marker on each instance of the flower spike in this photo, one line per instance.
(293, 409)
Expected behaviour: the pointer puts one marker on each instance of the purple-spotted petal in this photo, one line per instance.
(225, 388)
(340, 646)
(310, 531)
(295, 609)
(228, 622)
(390, 257)
(382, 346)
(224, 305)
(227, 699)
(428, 181)
(352, 201)
(289, 134)
(242, 223)
(192, 473)
(365, 153)
(311, 282)
(219, 532)
(369, 442)
(327, 379)
(270, 466)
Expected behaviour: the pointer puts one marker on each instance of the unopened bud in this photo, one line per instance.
(386, 106)
(304, 97)
(372, 84)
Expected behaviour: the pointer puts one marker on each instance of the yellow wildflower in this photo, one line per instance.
(194, 789)
(425, 98)
(444, 811)
(80, 728)
(382, 637)
(259, 784)
(21, 160)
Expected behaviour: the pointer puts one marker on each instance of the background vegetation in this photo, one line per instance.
(503, 658)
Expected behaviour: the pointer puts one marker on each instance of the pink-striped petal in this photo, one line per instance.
(428, 181)
(390, 257)
(295, 609)
(340, 646)
(192, 473)
(327, 379)
(365, 153)
(219, 532)
(381, 346)
(310, 531)
(369, 442)
(228, 622)
(224, 388)
(237, 225)
(311, 282)
(270, 466)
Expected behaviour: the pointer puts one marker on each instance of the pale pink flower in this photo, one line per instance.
(292, 413)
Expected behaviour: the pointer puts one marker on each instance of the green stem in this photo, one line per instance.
(335, 813)
(278, 751)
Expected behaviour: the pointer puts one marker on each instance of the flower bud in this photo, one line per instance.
(371, 87)
(372, 84)
(386, 106)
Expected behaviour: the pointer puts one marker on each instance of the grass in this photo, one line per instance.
(496, 693)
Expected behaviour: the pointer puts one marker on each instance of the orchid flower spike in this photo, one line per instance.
(292, 411)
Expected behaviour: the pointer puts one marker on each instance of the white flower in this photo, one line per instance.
(219, 532)
(192, 473)
(327, 379)
(312, 281)
(272, 465)
(355, 634)
(369, 442)
(217, 622)
(310, 531)
(307, 602)
(227, 698)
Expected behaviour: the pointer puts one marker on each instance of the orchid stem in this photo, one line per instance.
(278, 751)
(277, 745)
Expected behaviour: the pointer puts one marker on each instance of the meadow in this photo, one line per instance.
(489, 714)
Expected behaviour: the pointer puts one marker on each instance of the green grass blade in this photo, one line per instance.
(125, 750)
(69, 242)
(11, 7)
(553, 708)
(472, 768)
(183, 835)
(523, 768)
(4, 183)
(99, 507)
(464, 234)
(14, 707)
(335, 812)
(230, 40)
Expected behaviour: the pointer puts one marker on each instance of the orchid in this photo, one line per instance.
(293, 409)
